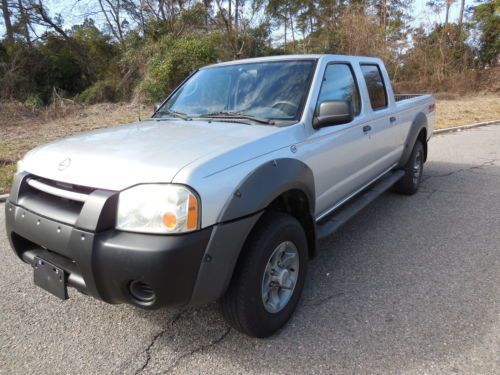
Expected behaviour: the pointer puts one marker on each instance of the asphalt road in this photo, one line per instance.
(409, 286)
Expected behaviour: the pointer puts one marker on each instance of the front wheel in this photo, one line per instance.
(414, 168)
(269, 278)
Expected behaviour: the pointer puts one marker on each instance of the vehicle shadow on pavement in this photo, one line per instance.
(404, 285)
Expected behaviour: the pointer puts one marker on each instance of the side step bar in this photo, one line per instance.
(336, 219)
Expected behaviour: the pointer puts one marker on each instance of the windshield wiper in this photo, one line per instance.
(178, 114)
(237, 115)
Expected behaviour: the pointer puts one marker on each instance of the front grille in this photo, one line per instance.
(60, 189)
(53, 199)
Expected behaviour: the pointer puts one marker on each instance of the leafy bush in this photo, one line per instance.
(101, 91)
(173, 60)
(34, 101)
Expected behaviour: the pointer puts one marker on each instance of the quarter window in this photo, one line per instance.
(339, 84)
(375, 85)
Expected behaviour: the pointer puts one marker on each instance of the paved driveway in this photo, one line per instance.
(411, 285)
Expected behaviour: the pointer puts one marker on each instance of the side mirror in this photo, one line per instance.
(157, 107)
(333, 112)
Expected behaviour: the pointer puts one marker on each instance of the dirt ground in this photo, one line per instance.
(466, 110)
(22, 127)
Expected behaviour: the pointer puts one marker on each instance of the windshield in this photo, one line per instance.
(266, 90)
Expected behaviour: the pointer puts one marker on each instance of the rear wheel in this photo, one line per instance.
(414, 168)
(269, 278)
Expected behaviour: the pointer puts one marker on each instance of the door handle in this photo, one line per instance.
(392, 119)
(367, 128)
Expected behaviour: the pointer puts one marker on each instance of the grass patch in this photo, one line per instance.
(6, 174)
(466, 110)
(7, 154)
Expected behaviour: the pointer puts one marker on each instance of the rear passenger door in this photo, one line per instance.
(383, 133)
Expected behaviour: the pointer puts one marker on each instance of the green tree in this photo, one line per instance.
(487, 18)
(174, 59)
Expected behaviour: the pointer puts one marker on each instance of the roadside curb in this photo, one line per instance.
(3, 197)
(464, 127)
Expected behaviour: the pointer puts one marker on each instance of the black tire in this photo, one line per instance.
(410, 182)
(243, 306)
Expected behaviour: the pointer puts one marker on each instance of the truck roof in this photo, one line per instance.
(349, 58)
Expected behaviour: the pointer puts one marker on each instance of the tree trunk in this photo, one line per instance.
(461, 16)
(284, 45)
(383, 13)
(117, 19)
(236, 11)
(161, 10)
(114, 22)
(229, 27)
(206, 3)
(292, 30)
(447, 15)
(9, 32)
(24, 20)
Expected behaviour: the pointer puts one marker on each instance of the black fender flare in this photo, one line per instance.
(239, 216)
(265, 184)
(419, 123)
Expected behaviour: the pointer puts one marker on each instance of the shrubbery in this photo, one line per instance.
(101, 91)
(173, 60)
(147, 52)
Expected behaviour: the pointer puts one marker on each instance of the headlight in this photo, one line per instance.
(154, 208)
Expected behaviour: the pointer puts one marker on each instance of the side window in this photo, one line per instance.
(375, 85)
(339, 84)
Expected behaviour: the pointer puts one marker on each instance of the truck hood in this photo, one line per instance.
(148, 151)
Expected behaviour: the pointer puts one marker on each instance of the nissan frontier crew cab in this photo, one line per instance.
(223, 193)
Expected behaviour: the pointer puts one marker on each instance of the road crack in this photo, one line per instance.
(155, 338)
(163, 331)
(323, 300)
(147, 351)
(489, 162)
(430, 193)
(199, 349)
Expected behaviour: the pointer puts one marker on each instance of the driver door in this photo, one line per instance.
(340, 154)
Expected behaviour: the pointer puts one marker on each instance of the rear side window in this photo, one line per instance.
(375, 85)
(339, 84)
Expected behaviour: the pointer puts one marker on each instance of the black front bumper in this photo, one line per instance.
(100, 261)
(104, 264)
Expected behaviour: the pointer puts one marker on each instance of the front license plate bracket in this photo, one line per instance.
(50, 277)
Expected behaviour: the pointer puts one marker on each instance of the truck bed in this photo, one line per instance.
(401, 97)
(415, 103)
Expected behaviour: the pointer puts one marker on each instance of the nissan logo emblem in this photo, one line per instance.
(64, 164)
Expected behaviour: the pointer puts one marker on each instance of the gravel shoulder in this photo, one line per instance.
(409, 286)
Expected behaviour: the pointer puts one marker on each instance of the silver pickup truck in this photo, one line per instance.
(223, 193)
